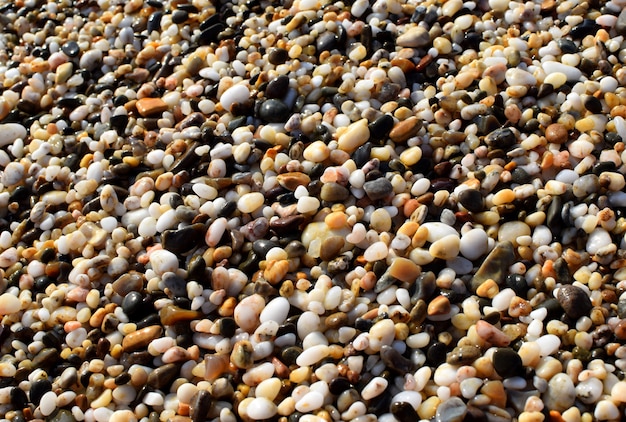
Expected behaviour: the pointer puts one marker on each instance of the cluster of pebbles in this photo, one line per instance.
(312, 211)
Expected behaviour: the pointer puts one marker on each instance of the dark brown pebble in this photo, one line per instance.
(200, 406)
(163, 376)
(574, 301)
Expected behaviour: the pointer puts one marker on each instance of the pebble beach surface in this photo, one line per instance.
(312, 211)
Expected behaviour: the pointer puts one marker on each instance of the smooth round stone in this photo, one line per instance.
(471, 199)
(574, 301)
(511, 230)
(561, 393)
(261, 408)
(48, 403)
(437, 231)
(234, 95)
(556, 80)
(380, 220)
(355, 135)
(548, 344)
(507, 363)
(376, 252)
(9, 304)
(571, 73)
(598, 239)
(248, 311)
(414, 37)
(606, 410)
(274, 111)
(586, 185)
(38, 389)
(71, 48)
(163, 261)
(312, 400)
(277, 56)
(313, 355)
(447, 247)
(474, 244)
(451, 410)
(517, 76)
(316, 152)
(269, 388)
(277, 87)
(250, 202)
(378, 189)
(589, 390)
(10, 132)
(501, 138)
(556, 133)
(374, 388)
(412, 397)
(334, 192)
(276, 310)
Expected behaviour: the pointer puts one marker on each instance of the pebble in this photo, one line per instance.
(453, 409)
(9, 304)
(263, 212)
(415, 36)
(151, 106)
(10, 132)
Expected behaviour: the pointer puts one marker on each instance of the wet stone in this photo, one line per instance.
(334, 192)
(471, 199)
(556, 133)
(496, 264)
(38, 388)
(62, 415)
(380, 128)
(277, 87)
(163, 376)
(403, 411)
(394, 360)
(507, 363)
(71, 48)
(338, 385)
(331, 246)
(151, 106)
(175, 283)
(278, 56)
(200, 405)
(574, 301)
(185, 239)
(378, 189)
(501, 138)
(274, 111)
(620, 25)
(451, 410)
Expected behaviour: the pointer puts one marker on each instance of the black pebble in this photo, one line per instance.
(274, 111)
(517, 282)
(71, 48)
(339, 385)
(593, 104)
(507, 363)
(38, 388)
(277, 87)
(227, 326)
(436, 354)
(471, 199)
(18, 398)
(179, 16)
(403, 412)
(381, 127)
(132, 305)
